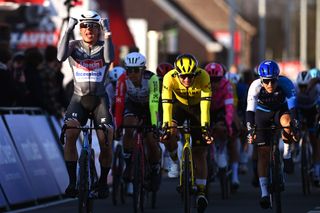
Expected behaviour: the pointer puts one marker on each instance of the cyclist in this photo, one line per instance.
(270, 97)
(307, 101)
(221, 113)
(137, 97)
(89, 59)
(190, 85)
(114, 75)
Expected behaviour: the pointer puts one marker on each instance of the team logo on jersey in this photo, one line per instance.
(89, 64)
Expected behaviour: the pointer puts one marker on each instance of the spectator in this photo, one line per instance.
(8, 92)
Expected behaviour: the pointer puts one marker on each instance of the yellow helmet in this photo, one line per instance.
(186, 64)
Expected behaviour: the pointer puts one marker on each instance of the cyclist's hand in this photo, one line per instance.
(295, 126)
(164, 133)
(71, 24)
(206, 136)
(105, 23)
(250, 137)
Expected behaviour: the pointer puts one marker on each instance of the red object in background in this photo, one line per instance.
(121, 35)
(224, 37)
(290, 68)
(23, 1)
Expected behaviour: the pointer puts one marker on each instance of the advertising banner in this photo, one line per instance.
(33, 155)
(13, 178)
(2, 200)
(51, 150)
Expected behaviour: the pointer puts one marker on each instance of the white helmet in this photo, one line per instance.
(232, 77)
(304, 78)
(135, 59)
(89, 16)
(115, 73)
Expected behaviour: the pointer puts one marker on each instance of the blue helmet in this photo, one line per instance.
(268, 69)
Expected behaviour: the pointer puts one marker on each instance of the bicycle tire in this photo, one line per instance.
(138, 191)
(277, 182)
(186, 181)
(305, 177)
(117, 168)
(84, 204)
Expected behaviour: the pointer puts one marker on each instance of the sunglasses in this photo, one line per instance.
(134, 70)
(267, 80)
(189, 76)
(89, 25)
(215, 79)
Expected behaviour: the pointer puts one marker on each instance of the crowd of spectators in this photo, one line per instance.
(32, 78)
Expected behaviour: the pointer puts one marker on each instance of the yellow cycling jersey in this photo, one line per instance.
(198, 92)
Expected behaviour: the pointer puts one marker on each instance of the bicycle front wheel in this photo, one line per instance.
(138, 191)
(277, 182)
(186, 181)
(117, 167)
(85, 203)
(305, 177)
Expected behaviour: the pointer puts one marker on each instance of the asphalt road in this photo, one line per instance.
(246, 200)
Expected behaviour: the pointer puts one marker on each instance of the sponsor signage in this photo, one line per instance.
(51, 150)
(13, 178)
(2, 200)
(33, 155)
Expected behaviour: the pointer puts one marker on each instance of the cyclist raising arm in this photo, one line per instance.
(89, 59)
(190, 85)
(272, 97)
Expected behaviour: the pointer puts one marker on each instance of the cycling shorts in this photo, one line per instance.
(80, 108)
(141, 110)
(264, 119)
(181, 112)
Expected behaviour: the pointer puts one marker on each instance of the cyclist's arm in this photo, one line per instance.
(120, 100)
(154, 96)
(229, 105)
(65, 47)
(166, 95)
(205, 101)
(108, 50)
(252, 99)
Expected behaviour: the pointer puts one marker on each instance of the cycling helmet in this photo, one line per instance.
(214, 70)
(186, 64)
(163, 68)
(115, 73)
(89, 16)
(135, 59)
(268, 69)
(304, 78)
(315, 73)
(232, 77)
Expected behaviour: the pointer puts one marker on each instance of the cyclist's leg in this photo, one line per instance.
(262, 140)
(102, 118)
(75, 116)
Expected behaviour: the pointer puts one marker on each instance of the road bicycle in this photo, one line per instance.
(187, 186)
(306, 159)
(118, 184)
(88, 176)
(275, 176)
(141, 169)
